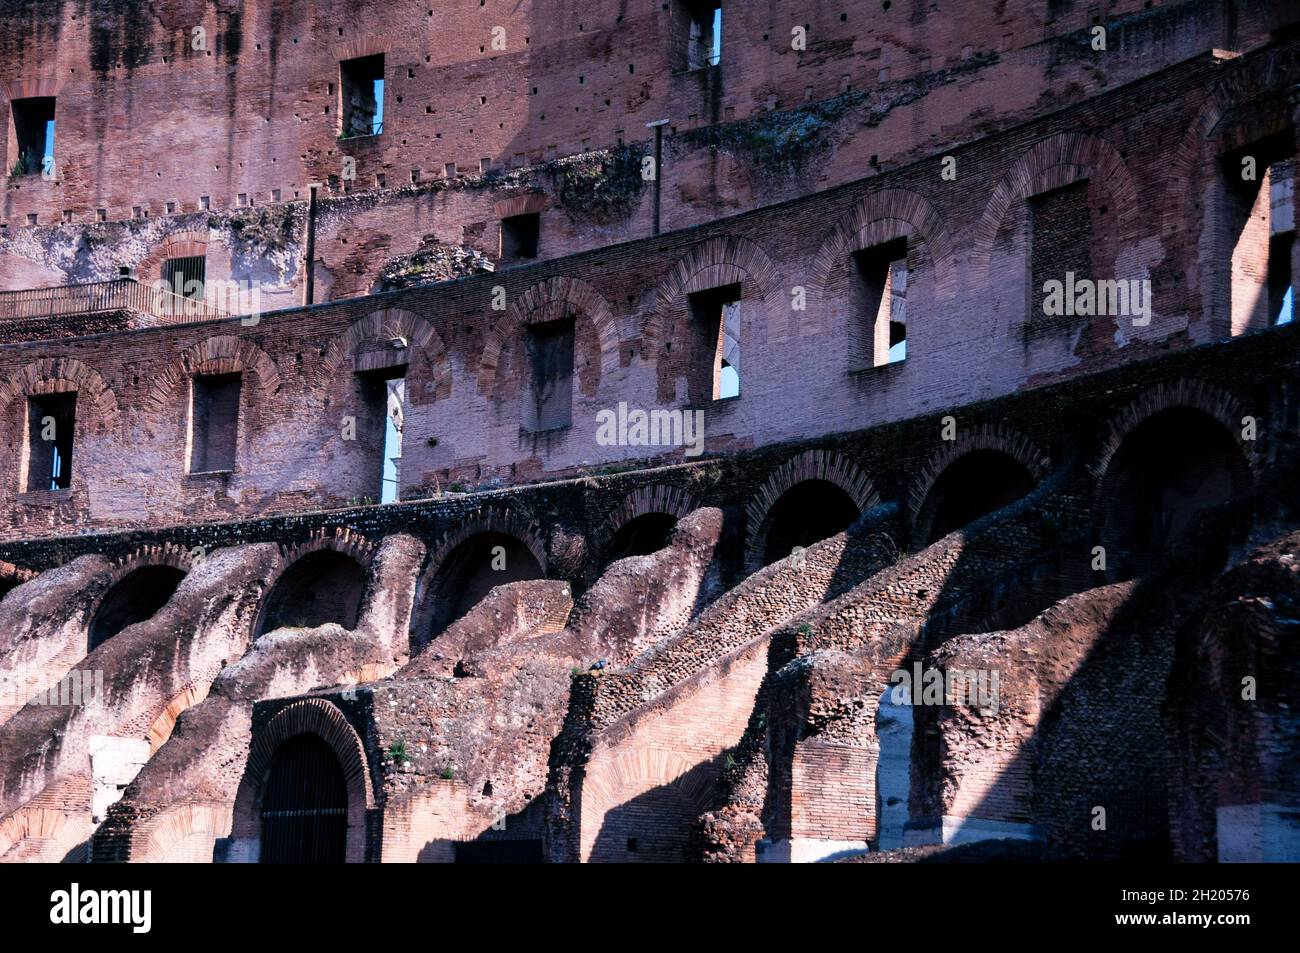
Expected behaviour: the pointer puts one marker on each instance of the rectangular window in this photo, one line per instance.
(1281, 243)
(382, 404)
(33, 135)
(704, 40)
(520, 236)
(882, 275)
(186, 276)
(361, 91)
(549, 348)
(214, 422)
(51, 421)
(715, 315)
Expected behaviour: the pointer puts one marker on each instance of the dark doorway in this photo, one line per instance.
(972, 486)
(305, 805)
(136, 597)
(1173, 465)
(324, 586)
(807, 513)
(646, 534)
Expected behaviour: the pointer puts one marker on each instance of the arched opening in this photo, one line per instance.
(973, 485)
(304, 805)
(646, 534)
(7, 586)
(474, 568)
(324, 586)
(135, 597)
(806, 513)
(1171, 466)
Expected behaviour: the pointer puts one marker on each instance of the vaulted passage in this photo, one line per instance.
(646, 534)
(305, 805)
(1175, 464)
(806, 513)
(324, 586)
(972, 486)
(136, 597)
(474, 568)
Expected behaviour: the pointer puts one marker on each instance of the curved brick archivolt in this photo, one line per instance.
(154, 554)
(715, 263)
(96, 403)
(379, 329)
(595, 331)
(490, 520)
(644, 500)
(322, 718)
(162, 839)
(1186, 393)
(882, 217)
(1053, 163)
(220, 354)
(191, 244)
(989, 437)
(810, 465)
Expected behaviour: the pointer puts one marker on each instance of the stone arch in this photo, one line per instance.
(825, 466)
(1184, 392)
(657, 498)
(314, 716)
(881, 217)
(162, 839)
(712, 263)
(138, 586)
(1223, 104)
(61, 375)
(551, 300)
(219, 354)
(439, 606)
(1052, 163)
(637, 773)
(384, 326)
(355, 553)
(995, 438)
(1168, 455)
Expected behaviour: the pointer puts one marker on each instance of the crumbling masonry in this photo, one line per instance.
(649, 432)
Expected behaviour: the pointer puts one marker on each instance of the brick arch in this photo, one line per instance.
(714, 262)
(1222, 106)
(31, 88)
(551, 300)
(1189, 393)
(632, 773)
(9, 573)
(528, 204)
(881, 217)
(1059, 160)
(152, 554)
(320, 717)
(810, 465)
(384, 325)
(175, 245)
(30, 822)
(989, 437)
(644, 500)
(220, 354)
(489, 520)
(340, 540)
(61, 375)
(362, 46)
(156, 839)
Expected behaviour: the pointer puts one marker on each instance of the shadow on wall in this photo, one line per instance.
(471, 571)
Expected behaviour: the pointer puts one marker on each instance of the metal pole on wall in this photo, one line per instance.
(309, 294)
(658, 127)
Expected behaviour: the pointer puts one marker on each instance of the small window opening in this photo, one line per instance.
(51, 422)
(549, 403)
(704, 44)
(383, 403)
(716, 317)
(520, 236)
(882, 272)
(1281, 243)
(33, 135)
(361, 90)
(214, 422)
(186, 276)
